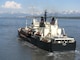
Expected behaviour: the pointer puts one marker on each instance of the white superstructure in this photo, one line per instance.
(51, 32)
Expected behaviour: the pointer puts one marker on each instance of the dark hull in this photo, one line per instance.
(47, 46)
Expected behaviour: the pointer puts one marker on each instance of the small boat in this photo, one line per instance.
(47, 35)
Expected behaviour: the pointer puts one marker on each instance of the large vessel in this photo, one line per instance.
(47, 35)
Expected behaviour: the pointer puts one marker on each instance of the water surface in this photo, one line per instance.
(13, 48)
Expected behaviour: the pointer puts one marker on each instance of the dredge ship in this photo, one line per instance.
(47, 35)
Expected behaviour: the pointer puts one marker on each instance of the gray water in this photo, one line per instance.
(13, 48)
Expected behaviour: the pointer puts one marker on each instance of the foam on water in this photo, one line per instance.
(59, 53)
(50, 54)
(69, 55)
(77, 52)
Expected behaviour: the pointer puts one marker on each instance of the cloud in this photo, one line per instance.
(12, 5)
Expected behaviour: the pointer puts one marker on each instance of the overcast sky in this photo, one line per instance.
(28, 6)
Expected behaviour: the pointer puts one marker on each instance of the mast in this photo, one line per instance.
(45, 15)
(26, 23)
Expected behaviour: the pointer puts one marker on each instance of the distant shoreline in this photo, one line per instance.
(69, 17)
(11, 17)
(34, 16)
